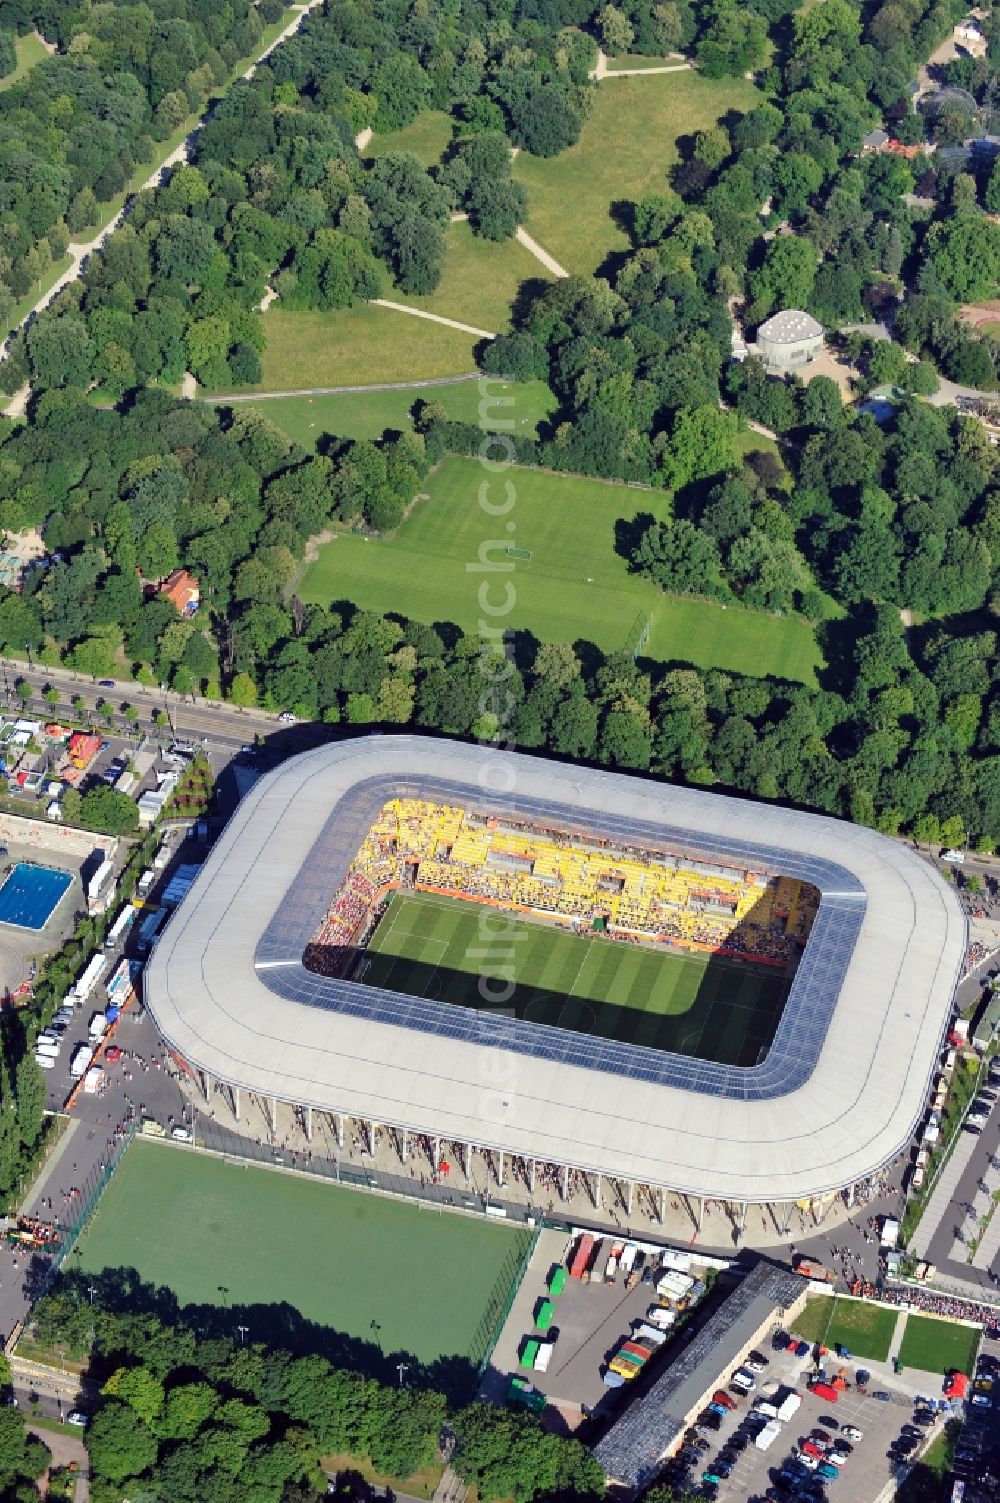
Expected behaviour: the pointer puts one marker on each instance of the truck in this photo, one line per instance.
(766, 1408)
(120, 927)
(121, 987)
(611, 1269)
(80, 1063)
(98, 1026)
(789, 1405)
(47, 1046)
(825, 1391)
(649, 1335)
(768, 1435)
(93, 1081)
(890, 1232)
(145, 882)
(810, 1269)
(582, 1255)
(658, 1316)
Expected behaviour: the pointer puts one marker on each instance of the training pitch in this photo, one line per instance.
(424, 1283)
(429, 946)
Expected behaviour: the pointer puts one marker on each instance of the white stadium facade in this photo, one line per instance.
(836, 1097)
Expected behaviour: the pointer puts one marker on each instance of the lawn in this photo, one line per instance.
(368, 414)
(30, 50)
(690, 1004)
(480, 281)
(640, 60)
(358, 347)
(582, 592)
(866, 1330)
(937, 1346)
(425, 138)
(625, 148)
(433, 1283)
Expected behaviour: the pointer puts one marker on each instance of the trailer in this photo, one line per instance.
(95, 969)
(150, 928)
(582, 1256)
(557, 1281)
(98, 1026)
(648, 1334)
(121, 987)
(93, 1081)
(120, 927)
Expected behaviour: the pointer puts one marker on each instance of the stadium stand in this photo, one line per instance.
(642, 896)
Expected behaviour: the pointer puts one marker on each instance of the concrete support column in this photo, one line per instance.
(370, 1134)
(206, 1084)
(338, 1122)
(466, 1159)
(531, 1176)
(309, 1124)
(742, 1219)
(701, 1212)
(436, 1153)
(564, 1182)
(598, 1180)
(236, 1102)
(500, 1170)
(628, 1197)
(406, 1146)
(662, 1204)
(851, 1194)
(272, 1112)
(786, 1216)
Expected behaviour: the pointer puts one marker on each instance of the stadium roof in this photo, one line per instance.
(631, 1449)
(837, 1095)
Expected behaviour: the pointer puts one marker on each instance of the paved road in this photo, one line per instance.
(223, 725)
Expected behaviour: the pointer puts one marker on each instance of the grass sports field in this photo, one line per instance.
(696, 1005)
(865, 1329)
(434, 1283)
(937, 1346)
(356, 414)
(563, 593)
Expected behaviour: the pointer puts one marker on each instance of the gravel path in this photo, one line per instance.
(435, 318)
(341, 391)
(549, 262)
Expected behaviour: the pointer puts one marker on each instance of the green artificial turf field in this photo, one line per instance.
(431, 946)
(435, 1284)
(574, 587)
(937, 1346)
(367, 414)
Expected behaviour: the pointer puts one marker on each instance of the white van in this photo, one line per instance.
(47, 1046)
(46, 1061)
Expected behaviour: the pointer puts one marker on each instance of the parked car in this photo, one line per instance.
(725, 1399)
(77, 1417)
(756, 1362)
(853, 1433)
(882, 1396)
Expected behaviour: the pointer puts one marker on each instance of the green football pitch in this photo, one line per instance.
(433, 1283)
(434, 947)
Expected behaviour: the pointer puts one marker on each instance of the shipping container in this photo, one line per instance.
(529, 1352)
(557, 1281)
(546, 1310)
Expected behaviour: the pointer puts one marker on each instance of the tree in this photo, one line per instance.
(680, 558)
(109, 811)
(617, 32)
(965, 254)
(121, 1445)
(243, 691)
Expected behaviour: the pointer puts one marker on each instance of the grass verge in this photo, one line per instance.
(426, 138)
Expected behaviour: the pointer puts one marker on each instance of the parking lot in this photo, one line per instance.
(754, 1475)
(977, 1449)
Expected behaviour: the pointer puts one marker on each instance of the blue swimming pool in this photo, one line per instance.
(31, 894)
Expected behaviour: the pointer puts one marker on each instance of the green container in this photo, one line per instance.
(557, 1281)
(529, 1352)
(546, 1310)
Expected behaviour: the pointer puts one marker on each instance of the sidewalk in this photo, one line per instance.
(940, 1203)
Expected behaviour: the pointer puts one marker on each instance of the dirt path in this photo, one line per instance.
(549, 262)
(363, 138)
(648, 72)
(18, 404)
(434, 318)
(81, 251)
(340, 391)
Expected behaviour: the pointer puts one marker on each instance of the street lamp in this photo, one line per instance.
(242, 1332)
(376, 1330)
(401, 1368)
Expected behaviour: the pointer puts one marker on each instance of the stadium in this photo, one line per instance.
(592, 972)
